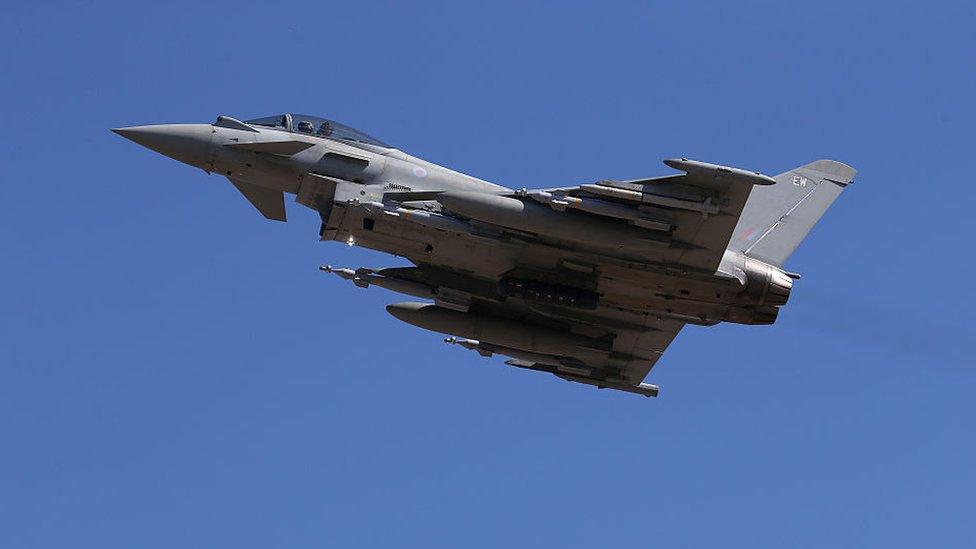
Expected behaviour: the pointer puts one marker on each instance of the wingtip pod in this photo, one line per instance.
(835, 171)
(645, 389)
(696, 166)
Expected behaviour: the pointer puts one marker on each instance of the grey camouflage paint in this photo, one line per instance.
(590, 282)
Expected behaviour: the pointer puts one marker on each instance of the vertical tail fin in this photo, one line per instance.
(776, 218)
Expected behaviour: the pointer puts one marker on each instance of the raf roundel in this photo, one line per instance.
(419, 172)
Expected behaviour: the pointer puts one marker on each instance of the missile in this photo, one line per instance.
(419, 217)
(499, 331)
(469, 344)
(642, 192)
(347, 274)
(613, 192)
(608, 189)
(531, 217)
(432, 220)
(366, 277)
(488, 349)
(601, 207)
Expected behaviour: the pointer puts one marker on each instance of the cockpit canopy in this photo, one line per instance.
(314, 125)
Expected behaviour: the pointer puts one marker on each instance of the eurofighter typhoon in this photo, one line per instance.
(590, 283)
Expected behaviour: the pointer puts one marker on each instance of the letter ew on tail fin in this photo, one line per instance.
(778, 217)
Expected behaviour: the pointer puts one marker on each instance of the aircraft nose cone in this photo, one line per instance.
(188, 143)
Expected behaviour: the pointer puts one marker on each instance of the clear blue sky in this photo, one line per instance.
(175, 372)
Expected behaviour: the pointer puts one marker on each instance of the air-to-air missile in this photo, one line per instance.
(599, 234)
(366, 277)
(589, 282)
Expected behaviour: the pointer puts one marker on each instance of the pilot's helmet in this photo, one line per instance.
(325, 129)
(305, 126)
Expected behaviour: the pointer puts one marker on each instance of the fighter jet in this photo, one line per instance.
(588, 282)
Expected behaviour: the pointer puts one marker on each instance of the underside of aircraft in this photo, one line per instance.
(590, 282)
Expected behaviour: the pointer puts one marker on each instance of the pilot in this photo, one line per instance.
(325, 129)
(305, 126)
